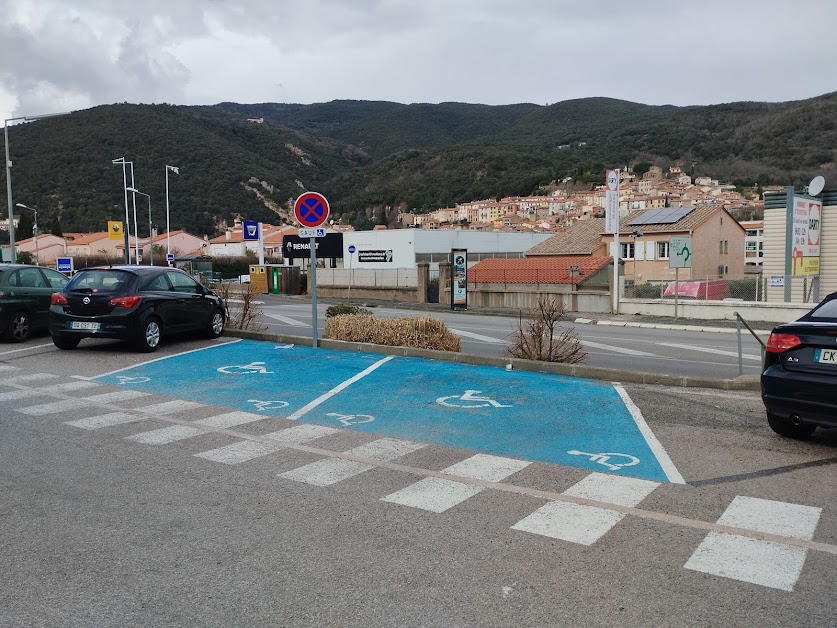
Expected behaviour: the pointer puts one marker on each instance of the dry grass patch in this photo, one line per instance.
(422, 333)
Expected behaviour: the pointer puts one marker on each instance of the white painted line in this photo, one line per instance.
(612, 489)
(326, 472)
(230, 419)
(166, 435)
(239, 452)
(170, 407)
(76, 385)
(734, 354)
(33, 377)
(105, 420)
(55, 407)
(486, 467)
(175, 355)
(332, 470)
(665, 462)
(299, 434)
(18, 394)
(481, 338)
(570, 522)
(26, 349)
(287, 320)
(765, 563)
(117, 396)
(5, 368)
(325, 397)
(433, 494)
(772, 517)
(596, 345)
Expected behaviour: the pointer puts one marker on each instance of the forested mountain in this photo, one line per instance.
(373, 156)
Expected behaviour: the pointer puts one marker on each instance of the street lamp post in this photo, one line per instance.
(127, 230)
(9, 172)
(175, 170)
(150, 229)
(34, 230)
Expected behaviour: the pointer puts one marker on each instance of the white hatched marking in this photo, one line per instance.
(578, 523)
(105, 420)
(332, 470)
(239, 452)
(166, 435)
(287, 320)
(486, 467)
(76, 385)
(571, 522)
(765, 563)
(299, 434)
(433, 494)
(170, 407)
(117, 396)
(732, 354)
(230, 419)
(32, 377)
(17, 394)
(597, 345)
(480, 337)
(55, 407)
(613, 489)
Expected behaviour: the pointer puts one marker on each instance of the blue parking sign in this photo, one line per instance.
(251, 230)
(64, 264)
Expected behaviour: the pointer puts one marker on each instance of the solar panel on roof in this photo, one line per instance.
(665, 216)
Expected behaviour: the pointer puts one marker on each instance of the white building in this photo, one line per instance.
(753, 242)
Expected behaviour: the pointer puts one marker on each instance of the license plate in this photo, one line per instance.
(85, 325)
(825, 356)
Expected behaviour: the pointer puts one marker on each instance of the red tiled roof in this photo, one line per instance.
(555, 270)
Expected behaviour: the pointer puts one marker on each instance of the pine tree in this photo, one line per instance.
(56, 228)
(24, 227)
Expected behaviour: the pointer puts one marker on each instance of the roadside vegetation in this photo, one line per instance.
(341, 309)
(537, 336)
(240, 309)
(421, 333)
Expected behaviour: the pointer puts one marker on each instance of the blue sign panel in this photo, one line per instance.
(352, 248)
(251, 230)
(530, 416)
(169, 257)
(64, 264)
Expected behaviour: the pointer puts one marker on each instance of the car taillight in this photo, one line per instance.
(126, 302)
(777, 343)
(59, 299)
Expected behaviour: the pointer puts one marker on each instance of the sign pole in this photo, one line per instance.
(312, 274)
(612, 181)
(261, 244)
(676, 289)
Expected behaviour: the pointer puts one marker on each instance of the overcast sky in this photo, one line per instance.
(57, 55)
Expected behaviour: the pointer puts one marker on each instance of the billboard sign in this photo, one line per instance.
(807, 226)
(459, 279)
(330, 246)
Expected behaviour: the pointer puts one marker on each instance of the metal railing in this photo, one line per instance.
(756, 288)
(739, 320)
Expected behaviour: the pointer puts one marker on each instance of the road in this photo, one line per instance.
(137, 491)
(675, 352)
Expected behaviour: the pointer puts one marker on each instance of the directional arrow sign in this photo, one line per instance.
(680, 253)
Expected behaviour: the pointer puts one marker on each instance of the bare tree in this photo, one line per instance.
(240, 309)
(537, 338)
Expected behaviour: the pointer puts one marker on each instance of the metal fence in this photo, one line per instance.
(755, 288)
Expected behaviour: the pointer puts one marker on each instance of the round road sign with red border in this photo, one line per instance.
(311, 209)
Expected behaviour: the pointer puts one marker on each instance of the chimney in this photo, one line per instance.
(229, 235)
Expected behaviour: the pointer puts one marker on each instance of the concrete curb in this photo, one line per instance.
(719, 330)
(747, 382)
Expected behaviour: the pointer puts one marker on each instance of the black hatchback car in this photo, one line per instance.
(799, 381)
(141, 304)
(25, 293)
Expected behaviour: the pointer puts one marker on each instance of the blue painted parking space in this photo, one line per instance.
(532, 416)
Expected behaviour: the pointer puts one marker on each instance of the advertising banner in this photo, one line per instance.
(459, 279)
(807, 223)
(612, 202)
(374, 256)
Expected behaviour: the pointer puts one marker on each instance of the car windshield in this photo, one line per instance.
(107, 280)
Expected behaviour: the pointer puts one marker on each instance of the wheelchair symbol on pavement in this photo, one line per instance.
(603, 459)
(253, 367)
(264, 406)
(469, 395)
(123, 380)
(352, 419)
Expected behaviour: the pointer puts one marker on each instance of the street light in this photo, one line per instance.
(150, 230)
(9, 171)
(34, 230)
(175, 170)
(127, 230)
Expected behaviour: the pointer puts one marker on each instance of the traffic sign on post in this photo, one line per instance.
(169, 257)
(250, 230)
(680, 253)
(319, 232)
(311, 209)
(64, 264)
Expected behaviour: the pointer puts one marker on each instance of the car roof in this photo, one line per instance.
(137, 270)
(16, 266)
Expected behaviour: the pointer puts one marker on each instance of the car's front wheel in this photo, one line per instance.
(64, 342)
(149, 339)
(787, 428)
(216, 327)
(20, 327)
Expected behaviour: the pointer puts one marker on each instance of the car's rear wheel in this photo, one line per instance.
(65, 342)
(216, 327)
(787, 428)
(20, 327)
(149, 339)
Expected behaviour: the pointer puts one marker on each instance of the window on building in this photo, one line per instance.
(662, 250)
(723, 270)
(627, 250)
(724, 246)
(751, 246)
(751, 233)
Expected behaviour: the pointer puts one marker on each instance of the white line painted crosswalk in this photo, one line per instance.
(440, 494)
(170, 407)
(579, 523)
(31, 377)
(299, 434)
(105, 420)
(239, 452)
(757, 561)
(230, 419)
(117, 396)
(22, 393)
(54, 407)
(74, 385)
(166, 435)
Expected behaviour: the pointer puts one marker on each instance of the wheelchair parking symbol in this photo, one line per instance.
(470, 396)
(253, 367)
(618, 460)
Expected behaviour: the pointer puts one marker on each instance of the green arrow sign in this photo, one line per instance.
(680, 253)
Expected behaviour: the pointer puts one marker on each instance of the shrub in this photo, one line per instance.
(240, 310)
(537, 339)
(422, 333)
(341, 309)
(648, 291)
